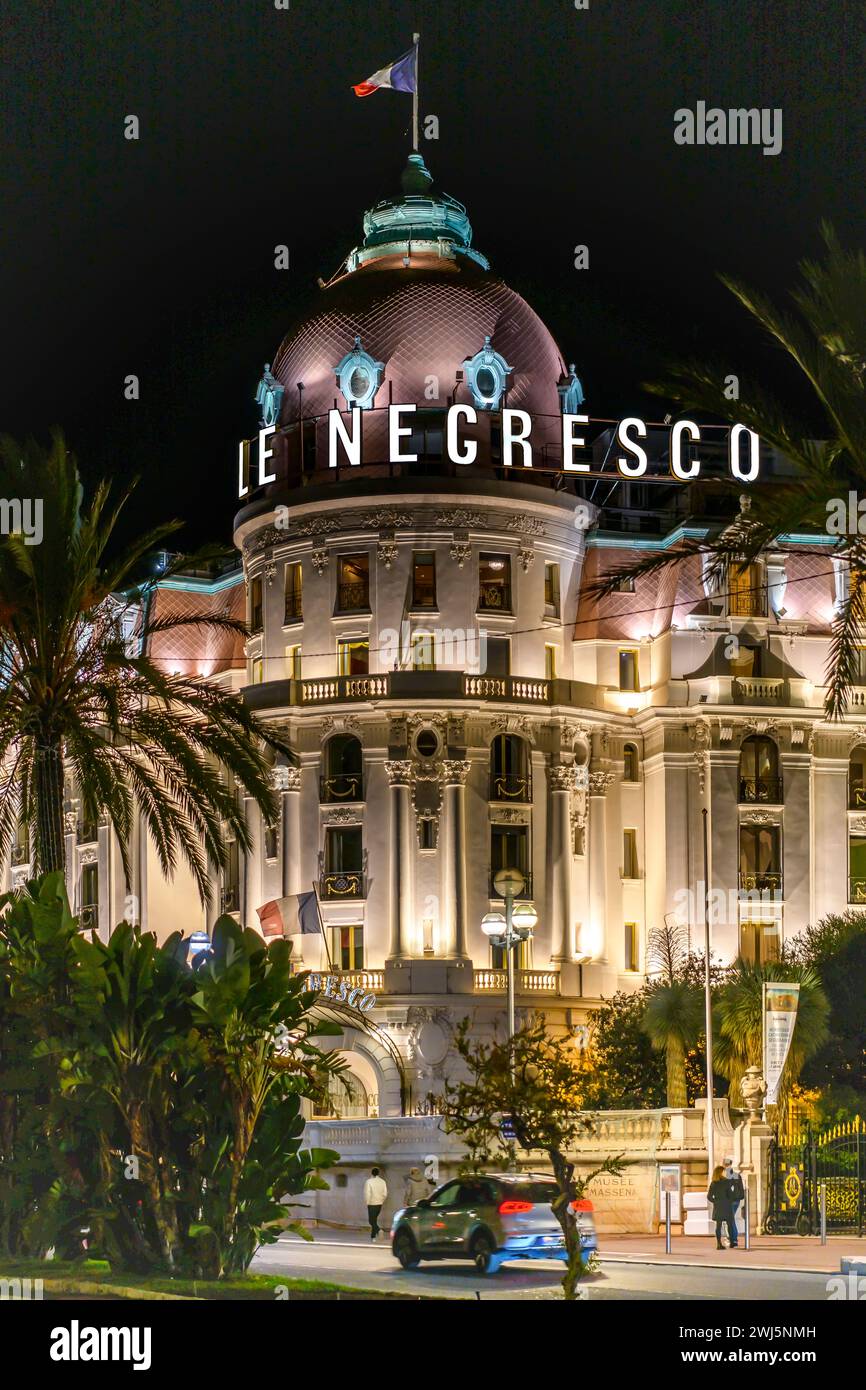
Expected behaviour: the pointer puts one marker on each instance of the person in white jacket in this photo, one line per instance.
(375, 1196)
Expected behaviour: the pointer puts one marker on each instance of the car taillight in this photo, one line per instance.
(583, 1205)
(510, 1207)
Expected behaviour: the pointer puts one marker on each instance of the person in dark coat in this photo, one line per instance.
(738, 1194)
(719, 1197)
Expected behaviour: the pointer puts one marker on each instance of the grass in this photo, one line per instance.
(95, 1279)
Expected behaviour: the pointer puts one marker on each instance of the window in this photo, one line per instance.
(760, 859)
(294, 604)
(551, 590)
(446, 1196)
(522, 957)
(549, 662)
(426, 833)
(510, 775)
(349, 947)
(293, 663)
(494, 583)
(358, 376)
(629, 854)
(632, 947)
(746, 591)
(857, 869)
(628, 670)
(629, 763)
(426, 743)
(343, 778)
(353, 583)
(857, 779)
(486, 376)
(89, 912)
(498, 656)
(423, 652)
(230, 895)
(760, 942)
(353, 656)
(256, 605)
(423, 579)
(509, 849)
(746, 662)
(343, 849)
(271, 839)
(759, 772)
(258, 670)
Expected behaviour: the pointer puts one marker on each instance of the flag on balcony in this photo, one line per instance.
(295, 915)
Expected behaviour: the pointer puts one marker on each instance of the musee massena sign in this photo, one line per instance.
(345, 439)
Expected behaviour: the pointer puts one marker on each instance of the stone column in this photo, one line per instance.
(455, 906)
(399, 773)
(599, 975)
(561, 782)
(287, 780)
(249, 891)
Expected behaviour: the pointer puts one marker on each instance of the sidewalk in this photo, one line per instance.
(804, 1253)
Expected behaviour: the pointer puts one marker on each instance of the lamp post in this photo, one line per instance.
(508, 931)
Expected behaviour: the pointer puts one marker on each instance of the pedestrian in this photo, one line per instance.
(416, 1189)
(375, 1196)
(738, 1194)
(719, 1196)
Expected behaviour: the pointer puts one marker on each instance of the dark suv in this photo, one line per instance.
(488, 1219)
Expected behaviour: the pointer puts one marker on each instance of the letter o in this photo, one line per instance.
(736, 466)
(366, 1006)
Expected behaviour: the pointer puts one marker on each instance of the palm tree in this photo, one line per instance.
(738, 1021)
(826, 340)
(673, 1019)
(78, 700)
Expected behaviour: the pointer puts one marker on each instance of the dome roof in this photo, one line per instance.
(422, 301)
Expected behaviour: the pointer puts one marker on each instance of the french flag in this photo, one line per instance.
(401, 76)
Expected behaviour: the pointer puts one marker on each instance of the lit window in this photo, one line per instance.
(746, 591)
(258, 671)
(358, 377)
(629, 761)
(353, 583)
(498, 655)
(294, 605)
(293, 663)
(549, 662)
(551, 590)
(423, 652)
(89, 889)
(760, 942)
(256, 605)
(353, 657)
(628, 670)
(629, 854)
(423, 579)
(349, 947)
(632, 947)
(494, 583)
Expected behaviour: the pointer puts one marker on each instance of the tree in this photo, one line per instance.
(621, 1070)
(534, 1079)
(738, 1021)
(80, 699)
(826, 341)
(673, 1011)
(836, 949)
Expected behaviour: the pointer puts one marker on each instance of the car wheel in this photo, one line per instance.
(482, 1253)
(406, 1250)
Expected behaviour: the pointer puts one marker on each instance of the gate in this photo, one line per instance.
(797, 1169)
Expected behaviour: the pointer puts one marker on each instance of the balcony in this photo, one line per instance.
(370, 981)
(353, 598)
(763, 882)
(761, 791)
(508, 787)
(293, 612)
(525, 981)
(856, 891)
(347, 786)
(342, 884)
(230, 899)
(759, 690)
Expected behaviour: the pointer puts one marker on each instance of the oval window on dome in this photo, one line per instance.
(359, 384)
(486, 383)
(359, 377)
(486, 376)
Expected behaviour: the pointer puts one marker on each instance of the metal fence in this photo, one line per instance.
(799, 1168)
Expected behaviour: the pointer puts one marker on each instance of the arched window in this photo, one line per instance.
(759, 772)
(510, 771)
(857, 778)
(487, 377)
(343, 778)
(359, 377)
(629, 763)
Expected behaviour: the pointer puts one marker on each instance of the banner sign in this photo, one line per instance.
(780, 1015)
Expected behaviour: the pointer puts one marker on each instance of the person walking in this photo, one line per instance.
(416, 1188)
(375, 1196)
(738, 1194)
(719, 1196)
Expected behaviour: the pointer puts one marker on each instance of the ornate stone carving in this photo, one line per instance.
(341, 815)
(701, 737)
(514, 724)
(561, 777)
(460, 517)
(399, 772)
(509, 815)
(599, 782)
(387, 551)
(19, 878)
(316, 526)
(386, 518)
(286, 779)
(460, 551)
(455, 771)
(270, 572)
(526, 556)
(263, 540)
(526, 525)
(70, 822)
(88, 856)
(320, 560)
(762, 818)
(753, 1088)
(857, 825)
(340, 723)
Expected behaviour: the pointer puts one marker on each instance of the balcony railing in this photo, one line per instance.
(525, 981)
(757, 790)
(761, 883)
(349, 883)
(347, 786)
(230, 899)
(856, 798)
(294, 609)
(353, 597)
(494, 598)
(759, 689)
(857, 890)
(343, 688)
(508, 787)
(371, 981)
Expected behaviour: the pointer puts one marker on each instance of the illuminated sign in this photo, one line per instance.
(345, 442)
(332, 987)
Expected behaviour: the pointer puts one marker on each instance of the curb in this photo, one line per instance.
(672, 1261)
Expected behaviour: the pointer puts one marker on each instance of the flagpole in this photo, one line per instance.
(416, 38)
(321, 924)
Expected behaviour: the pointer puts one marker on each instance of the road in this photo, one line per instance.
(373, 1267)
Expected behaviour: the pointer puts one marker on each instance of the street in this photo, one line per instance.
(359, 1265)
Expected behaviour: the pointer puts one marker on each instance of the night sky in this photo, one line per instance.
(155, 257)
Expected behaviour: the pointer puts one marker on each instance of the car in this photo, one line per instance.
(489, 1219)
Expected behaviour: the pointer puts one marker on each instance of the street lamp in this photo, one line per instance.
(508, 931)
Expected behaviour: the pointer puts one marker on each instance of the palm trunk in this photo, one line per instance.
(675, 1059)
(48, 788)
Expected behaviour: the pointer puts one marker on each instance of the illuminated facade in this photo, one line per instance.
(426, 637)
